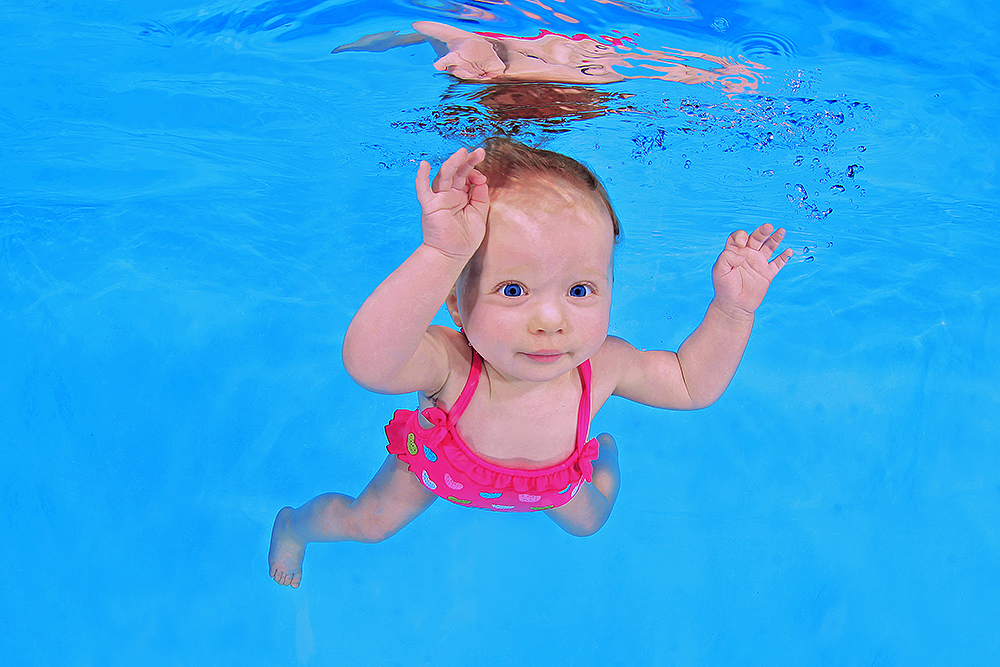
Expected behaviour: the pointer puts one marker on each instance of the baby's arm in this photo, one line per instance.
(699, 372)
(388, 347)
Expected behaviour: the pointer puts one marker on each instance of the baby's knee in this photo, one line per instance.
(608, 444)
(588, 530)
(374, 531)
(586, 527)
(365, 526)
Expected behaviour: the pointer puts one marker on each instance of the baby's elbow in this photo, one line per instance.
(375, 373)
(700, 402)
(361, 368)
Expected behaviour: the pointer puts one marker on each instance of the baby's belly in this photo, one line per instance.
(523, 461)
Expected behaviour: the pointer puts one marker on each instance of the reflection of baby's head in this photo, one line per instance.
(509, 165)
(509, 101)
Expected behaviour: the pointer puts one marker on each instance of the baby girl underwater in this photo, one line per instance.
(518, 244)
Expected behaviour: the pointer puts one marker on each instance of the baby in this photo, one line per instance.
(518, 243)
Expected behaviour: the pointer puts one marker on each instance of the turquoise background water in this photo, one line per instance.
(194, 199)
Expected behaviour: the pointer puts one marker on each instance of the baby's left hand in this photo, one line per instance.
(743, 273)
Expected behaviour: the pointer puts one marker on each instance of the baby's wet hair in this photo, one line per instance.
(509, 163)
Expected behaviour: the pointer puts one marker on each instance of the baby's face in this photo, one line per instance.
(536, 299)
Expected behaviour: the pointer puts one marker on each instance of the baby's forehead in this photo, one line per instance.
(533, 190)
(543, 210)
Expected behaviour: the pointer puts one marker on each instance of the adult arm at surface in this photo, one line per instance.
(700, 371)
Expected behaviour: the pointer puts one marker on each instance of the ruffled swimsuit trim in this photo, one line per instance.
(443, 462)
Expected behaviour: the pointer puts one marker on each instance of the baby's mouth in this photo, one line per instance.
(544, 356)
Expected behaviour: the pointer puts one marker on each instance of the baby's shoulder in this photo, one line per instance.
(607, 363)
(613, 350)
(456, 355)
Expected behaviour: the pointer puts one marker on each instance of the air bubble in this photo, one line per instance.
(687, 164)
(854, 169)
(836, 189)
(802, 191)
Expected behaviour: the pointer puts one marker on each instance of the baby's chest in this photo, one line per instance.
(537, 436)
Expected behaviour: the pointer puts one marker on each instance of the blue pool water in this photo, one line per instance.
(194, 199)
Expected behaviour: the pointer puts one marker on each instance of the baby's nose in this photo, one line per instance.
(548, 318)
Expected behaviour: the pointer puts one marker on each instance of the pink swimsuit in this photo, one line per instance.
(445, 464)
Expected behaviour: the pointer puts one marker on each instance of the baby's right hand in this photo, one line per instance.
(454, 207)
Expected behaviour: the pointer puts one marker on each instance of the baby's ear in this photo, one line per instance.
(451, 302)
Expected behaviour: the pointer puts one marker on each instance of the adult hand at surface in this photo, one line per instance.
(471, 59)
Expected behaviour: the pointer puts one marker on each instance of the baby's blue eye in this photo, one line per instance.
(579, 290)
(512, 290)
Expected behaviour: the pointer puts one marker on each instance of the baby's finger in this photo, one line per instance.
(446, 174)
(759, 236)
(473, 158)
(424, 192)
(737, 240)
(778, 263)
(772, 242)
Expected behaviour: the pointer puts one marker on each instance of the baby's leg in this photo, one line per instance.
(392, 499)
(590, 509)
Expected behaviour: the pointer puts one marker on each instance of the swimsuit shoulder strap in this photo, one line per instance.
(583, 414)
(470, 388)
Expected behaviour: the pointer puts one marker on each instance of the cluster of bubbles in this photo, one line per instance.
(526, 111)
(810, 144)
(789, 132)
(759, 123)
(799, 196)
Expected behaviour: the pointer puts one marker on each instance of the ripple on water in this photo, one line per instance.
(762, 44)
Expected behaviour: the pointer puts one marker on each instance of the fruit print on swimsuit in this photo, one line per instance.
(489, 496)
(452, 484)
(459, 500)
(429, 453)
(568, 487)
(411, 444)
(528, 498)
(427, 481)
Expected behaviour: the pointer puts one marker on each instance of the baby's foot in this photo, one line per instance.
(284, 558)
